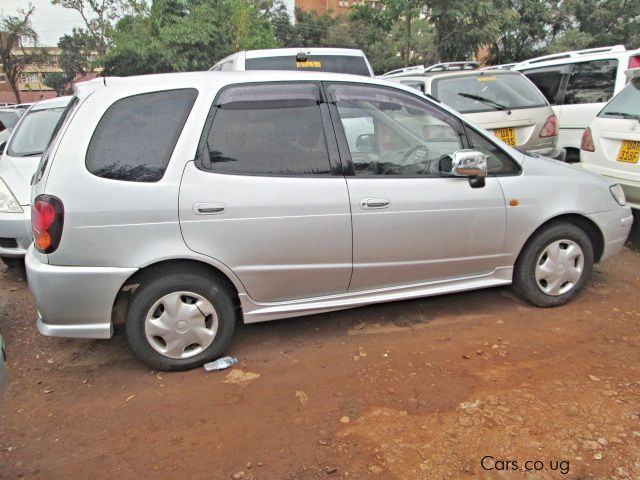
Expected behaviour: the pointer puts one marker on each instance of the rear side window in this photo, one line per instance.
(548, 80)
(418, 85)
(136, 136)
(268, 130)
(591, 82)
(313, 63)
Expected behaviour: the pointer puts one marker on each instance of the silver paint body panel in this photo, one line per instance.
(290, 245)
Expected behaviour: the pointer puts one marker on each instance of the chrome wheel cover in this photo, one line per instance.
(181, 325)
(559, 267)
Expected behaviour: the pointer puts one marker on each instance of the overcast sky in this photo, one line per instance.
(51, 22)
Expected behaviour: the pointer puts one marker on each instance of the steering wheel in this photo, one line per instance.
(409, 154)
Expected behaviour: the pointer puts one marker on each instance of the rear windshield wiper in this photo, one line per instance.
(624, 115)
(488, 101)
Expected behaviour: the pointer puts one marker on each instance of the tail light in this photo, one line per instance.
(47, 217)
(550, 128)
(634, 62)
(587, 141)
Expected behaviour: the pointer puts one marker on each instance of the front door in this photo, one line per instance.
(412, 224)
(264, 197)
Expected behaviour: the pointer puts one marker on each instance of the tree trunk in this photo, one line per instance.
(13, 84)
(407, 51)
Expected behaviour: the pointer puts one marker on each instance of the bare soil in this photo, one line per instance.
(421, 389)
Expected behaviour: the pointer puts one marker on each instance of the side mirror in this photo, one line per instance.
(366, 143)
(466, 163)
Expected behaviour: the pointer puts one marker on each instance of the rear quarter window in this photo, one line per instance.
(136, 136)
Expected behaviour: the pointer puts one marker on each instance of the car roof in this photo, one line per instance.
(575, 56)
(281, 52)
(213, 79)
(51, 103)
(459, 73)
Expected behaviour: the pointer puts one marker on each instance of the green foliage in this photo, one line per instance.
(181, 35)
(58, 81)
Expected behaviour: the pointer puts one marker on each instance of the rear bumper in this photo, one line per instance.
(631, 187)
(15, 232)
(74, 301)
(615, 227)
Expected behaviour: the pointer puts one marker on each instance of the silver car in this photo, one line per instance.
(17, 166)
(194, 200)
(504, 102)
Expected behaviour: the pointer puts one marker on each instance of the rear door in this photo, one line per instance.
(266, 195)
(590, 86)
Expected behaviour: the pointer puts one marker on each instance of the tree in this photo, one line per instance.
(76, 59)
(17, 35)
(406, 11)
(607, 22)
(98, 16)
(180, 35)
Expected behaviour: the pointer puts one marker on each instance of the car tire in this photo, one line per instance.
(180, 321)
(12, 262)
(554, 265)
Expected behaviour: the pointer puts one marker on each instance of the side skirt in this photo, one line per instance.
(260, 312)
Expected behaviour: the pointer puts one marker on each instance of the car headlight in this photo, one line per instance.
(618, 194)
(8, 202)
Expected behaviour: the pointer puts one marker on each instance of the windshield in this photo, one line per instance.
(314, 63)
(8, 120)
(625, 104)
(33, 133)
(487, 92)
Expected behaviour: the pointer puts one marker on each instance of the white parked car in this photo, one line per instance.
(335, 60)
(611, 144)
(18, 164)
(578, 84)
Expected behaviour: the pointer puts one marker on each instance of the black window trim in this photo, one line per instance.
(177, 139)
(335, 164)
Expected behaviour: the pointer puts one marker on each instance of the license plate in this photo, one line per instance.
(507, 135)
(629, 152)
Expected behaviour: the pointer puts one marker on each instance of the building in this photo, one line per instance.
(31, 83)
(333, 7)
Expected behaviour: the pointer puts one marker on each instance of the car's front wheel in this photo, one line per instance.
(554, 265)
(180, 321)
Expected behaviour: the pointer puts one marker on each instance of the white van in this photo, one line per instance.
(578, 84)
(335, 60)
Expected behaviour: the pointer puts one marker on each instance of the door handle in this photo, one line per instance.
(209, 208)
(373, 203)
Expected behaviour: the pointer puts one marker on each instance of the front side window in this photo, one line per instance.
(591, 82)
(136, 136)
(34, 132)
(626, 104)
(498, 162)
(549, 81)
(268, 129)
(484, 92)
(394, 133)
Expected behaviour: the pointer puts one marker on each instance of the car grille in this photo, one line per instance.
(8, 243)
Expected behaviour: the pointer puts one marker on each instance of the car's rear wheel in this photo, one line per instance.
(180, 321)
(554, 265)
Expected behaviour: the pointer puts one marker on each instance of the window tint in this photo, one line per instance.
(393, 133)
(136, 136)
(314, 63)
(498, 162)
(626, 104)
(280, 134)
(548, 80)
(487, 92)
(591, 82)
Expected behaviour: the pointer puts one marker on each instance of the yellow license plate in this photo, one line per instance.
(507, 135)
(629, 152)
